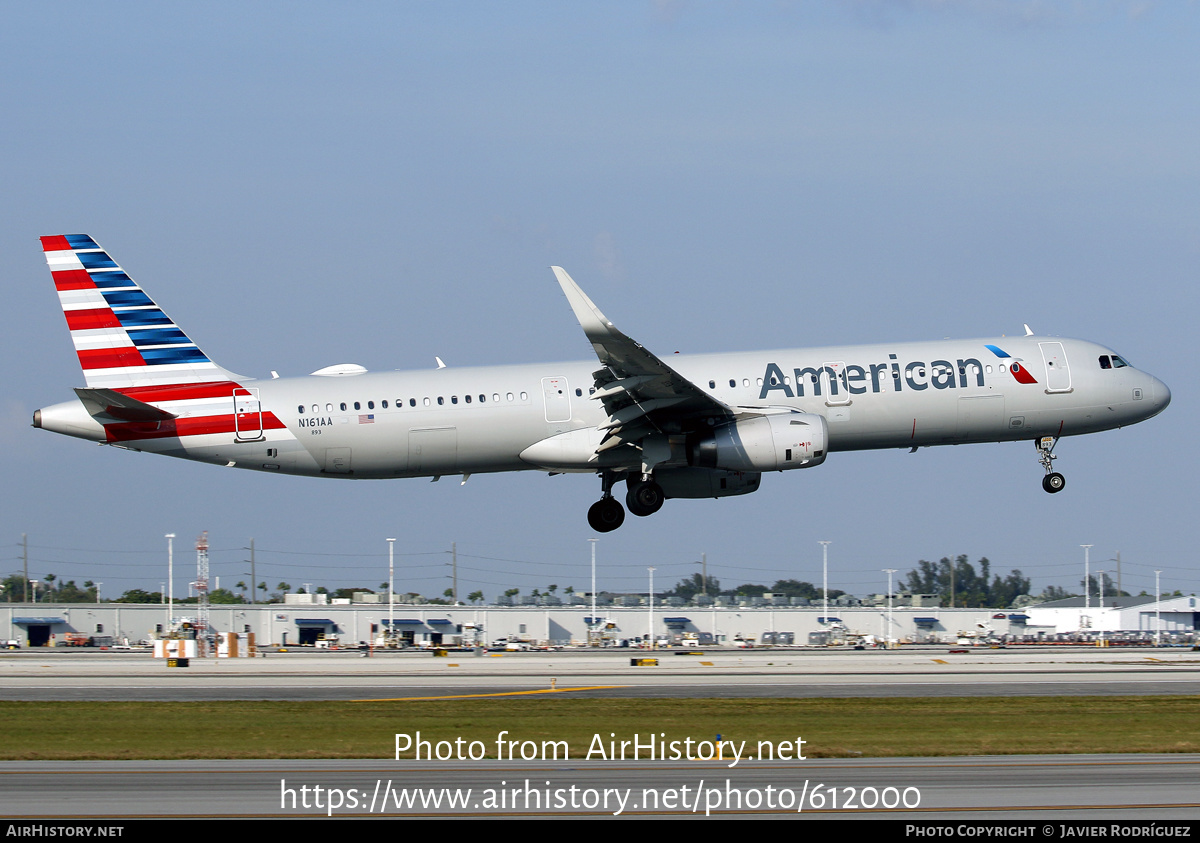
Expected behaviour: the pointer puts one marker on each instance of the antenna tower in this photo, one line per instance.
(203, 628)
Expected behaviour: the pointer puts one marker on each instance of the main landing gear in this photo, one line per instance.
(645, 497)
(1053, 481)
(606, 514)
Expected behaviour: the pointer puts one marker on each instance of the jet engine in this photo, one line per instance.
(763, 443)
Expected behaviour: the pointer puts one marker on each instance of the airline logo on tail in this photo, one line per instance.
(146, 378)
(121, 336)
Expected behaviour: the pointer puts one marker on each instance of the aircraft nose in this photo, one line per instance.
(1162, 394)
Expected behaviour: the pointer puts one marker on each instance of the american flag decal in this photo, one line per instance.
(367, 419)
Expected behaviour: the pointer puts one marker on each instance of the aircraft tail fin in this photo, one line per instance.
(122, 337)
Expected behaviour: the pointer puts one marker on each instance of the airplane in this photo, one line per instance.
(689, 426)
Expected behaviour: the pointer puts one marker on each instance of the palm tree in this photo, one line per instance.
(475, 596)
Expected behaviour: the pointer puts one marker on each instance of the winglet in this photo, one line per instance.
(594, 323)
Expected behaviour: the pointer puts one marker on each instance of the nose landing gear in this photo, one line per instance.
(1053, 481)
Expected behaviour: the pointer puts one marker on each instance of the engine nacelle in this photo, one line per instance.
(688, 482)
(764, 443)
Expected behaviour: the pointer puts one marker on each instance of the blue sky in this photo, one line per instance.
(303, 184)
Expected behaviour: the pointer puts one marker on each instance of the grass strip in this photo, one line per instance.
(830, 727)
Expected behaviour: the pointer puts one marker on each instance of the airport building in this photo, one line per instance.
(427, 625)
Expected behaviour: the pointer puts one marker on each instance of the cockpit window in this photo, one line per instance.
(1105, 363)
(1118, 363)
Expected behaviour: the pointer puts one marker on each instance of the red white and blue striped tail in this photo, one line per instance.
(122, 337)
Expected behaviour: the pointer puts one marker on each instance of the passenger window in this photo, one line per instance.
(370, 405)
(482, 398)
(467, 398)
(732, 382)
(383, 404)
(578, 392)
(510, 396)
(712, 384)
(412, 402)
(524, 396)
(328, 408)
(300, 409)
(357, 405)
(453, 399)
(343, 406)
(745, 381)
(426, 402)
(496, 396)
(441, 401)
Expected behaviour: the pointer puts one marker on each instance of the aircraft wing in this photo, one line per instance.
(641, 394)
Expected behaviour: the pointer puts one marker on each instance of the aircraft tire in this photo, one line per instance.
(645, 498)
(1054, 482)
(606, 515)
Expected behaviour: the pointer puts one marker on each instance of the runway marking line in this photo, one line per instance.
(502, 694)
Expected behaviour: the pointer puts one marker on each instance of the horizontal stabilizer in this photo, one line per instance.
(109, 405)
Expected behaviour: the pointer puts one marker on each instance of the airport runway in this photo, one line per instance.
(347, 675)
(1042, 789)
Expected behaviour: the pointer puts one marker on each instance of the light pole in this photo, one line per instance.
(1157, 611)
(1100, 585)
(650, 603)
(592, 623)
(887, 640)
(170, 537)
(825, 578)
(1087, 582)
(391, 589)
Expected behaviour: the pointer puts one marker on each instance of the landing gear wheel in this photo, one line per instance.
(606, 515)
(645, 497)
(1054, 482)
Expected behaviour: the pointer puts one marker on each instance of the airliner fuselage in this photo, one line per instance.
(682, 426)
